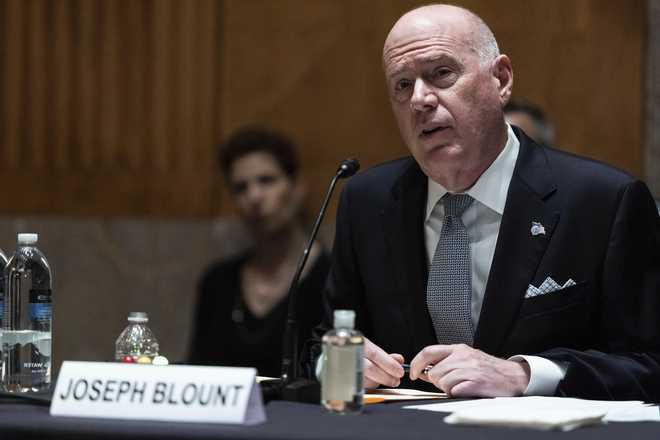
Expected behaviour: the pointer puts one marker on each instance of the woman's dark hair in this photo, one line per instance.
(258, 140)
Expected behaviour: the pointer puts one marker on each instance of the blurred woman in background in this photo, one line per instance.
(242, 306)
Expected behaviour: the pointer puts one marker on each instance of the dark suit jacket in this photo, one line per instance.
(601, 230)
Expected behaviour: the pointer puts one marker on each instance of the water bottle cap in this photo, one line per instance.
(138, 317)
(27, 238)
(344, 319)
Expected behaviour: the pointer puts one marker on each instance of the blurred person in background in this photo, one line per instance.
(242, 305)
(531, 119)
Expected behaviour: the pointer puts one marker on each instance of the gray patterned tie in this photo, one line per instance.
(449, 289)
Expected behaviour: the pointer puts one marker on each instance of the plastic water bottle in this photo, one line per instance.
(341, 373)
(3, 264)
(137, 342)
(27, 320)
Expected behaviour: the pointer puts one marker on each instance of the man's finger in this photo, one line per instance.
(374, 376)
(382, 359)
(447, 382)
(450, 363)
(367, 382)
(467, 388)
(430, 355)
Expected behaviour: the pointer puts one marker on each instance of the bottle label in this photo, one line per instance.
(41, 311)
(342, 372)
(41, 307)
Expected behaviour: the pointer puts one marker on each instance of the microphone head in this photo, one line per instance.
(348, 167)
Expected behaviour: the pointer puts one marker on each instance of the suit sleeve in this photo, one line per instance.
(625, 364)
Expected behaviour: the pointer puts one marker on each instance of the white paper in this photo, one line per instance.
(531, 402)
(634, 414)
(541, 412)
(545, 419)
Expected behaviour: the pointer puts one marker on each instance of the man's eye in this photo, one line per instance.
(402, 85)
(443, 77)
(441, 73)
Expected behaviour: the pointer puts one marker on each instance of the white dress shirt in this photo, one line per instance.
(482, 220)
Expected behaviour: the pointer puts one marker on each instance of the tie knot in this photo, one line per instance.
(456, 204)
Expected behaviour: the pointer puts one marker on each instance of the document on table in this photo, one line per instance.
(401, 394)
(387, 394)
(541, 412)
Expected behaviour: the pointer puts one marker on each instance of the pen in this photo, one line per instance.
(406, 368)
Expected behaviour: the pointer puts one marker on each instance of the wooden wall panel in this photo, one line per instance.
(13, 51)
(113, 107)
(36, 68)
(107, 107)
(87, 84)
(579, 59)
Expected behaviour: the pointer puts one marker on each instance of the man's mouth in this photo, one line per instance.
(430, 131)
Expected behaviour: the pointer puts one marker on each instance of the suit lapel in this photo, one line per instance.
(403, 218)
(518, 252)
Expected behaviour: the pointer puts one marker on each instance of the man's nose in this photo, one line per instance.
(423, 97)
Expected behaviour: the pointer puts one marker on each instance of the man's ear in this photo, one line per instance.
(503, 73)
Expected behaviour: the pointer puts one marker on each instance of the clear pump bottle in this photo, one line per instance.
(341, 373)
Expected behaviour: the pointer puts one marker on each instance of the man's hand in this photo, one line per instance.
(381, 368)
(462, 371)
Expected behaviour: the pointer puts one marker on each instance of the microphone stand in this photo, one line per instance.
(290, 386)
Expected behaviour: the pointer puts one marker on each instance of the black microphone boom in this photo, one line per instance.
(290, 365)
(303, 390)
(348, 167)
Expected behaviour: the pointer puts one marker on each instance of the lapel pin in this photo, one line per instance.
(537, 229)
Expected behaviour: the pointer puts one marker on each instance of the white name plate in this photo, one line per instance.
(177, 393)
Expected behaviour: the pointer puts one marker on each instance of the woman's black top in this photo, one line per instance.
(226, 333)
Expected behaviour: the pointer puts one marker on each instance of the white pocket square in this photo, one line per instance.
(547, 286)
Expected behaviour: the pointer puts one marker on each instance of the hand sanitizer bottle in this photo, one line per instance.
(341, 373)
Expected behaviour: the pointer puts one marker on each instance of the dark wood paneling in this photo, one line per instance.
(113, 108)
(315, 71)
(107, 107)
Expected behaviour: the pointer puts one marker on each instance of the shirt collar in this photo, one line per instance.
(492, 186)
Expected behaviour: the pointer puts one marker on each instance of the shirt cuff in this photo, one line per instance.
(544, 375)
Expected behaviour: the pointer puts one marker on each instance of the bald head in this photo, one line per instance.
(460, 23)
(447, 84)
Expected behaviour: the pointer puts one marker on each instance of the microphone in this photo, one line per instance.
(347, 168)
(290, 386)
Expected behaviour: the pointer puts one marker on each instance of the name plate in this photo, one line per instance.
(178, 393)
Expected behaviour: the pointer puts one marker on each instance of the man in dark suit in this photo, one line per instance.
(495, 266)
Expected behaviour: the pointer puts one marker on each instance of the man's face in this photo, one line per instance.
(446, 101)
